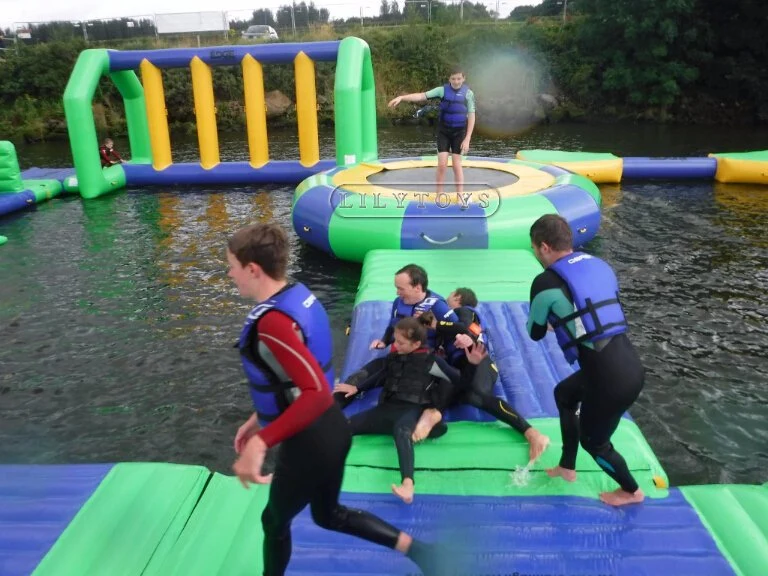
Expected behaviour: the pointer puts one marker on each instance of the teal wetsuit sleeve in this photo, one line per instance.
(435, 92)
(549, 297)
(470, 102)
(541, 304)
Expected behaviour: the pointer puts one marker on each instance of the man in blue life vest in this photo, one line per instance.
(455, 125)
(413, 299)
(578, 297)
(286, 350)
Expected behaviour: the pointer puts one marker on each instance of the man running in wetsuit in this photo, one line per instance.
(286, 351)
(578, 295)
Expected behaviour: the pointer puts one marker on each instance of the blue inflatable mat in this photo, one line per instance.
(36, 504)
(59, 174)
(523, 535)
(530, 370)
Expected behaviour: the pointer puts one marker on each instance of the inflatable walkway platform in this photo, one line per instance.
(603, 168)
(166, 519)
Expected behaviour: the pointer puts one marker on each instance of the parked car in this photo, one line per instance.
(260, 31)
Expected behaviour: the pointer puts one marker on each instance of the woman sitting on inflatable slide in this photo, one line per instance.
(413, 378)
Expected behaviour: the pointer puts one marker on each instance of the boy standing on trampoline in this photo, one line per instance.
(455, 124)
(286, 351)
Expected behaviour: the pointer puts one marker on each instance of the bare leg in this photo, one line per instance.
(404, 491)
(620, 497)
(564, 473)
(442, 166)
(458, 173)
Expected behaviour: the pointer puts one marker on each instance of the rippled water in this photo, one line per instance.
(117, 319)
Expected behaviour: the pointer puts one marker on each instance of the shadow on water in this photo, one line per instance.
(118, 320)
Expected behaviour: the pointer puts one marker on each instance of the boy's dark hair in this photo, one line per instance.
(467, 296)
(412, 329)
(262, 244)
(456, 69)
(552, 230)
(416, 273)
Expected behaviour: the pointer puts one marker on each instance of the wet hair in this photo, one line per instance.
(262, 244)
(456, 69)
(467, 296)
(427, 318)
(412, 329)
(552, 230)
(416, 273)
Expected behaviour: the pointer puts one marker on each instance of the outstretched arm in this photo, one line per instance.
(415, 97)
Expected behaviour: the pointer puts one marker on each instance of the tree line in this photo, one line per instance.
(688, 61)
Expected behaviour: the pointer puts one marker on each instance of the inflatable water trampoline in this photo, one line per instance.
(347, 211)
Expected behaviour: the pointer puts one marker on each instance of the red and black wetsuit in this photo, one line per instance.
(315, 439)
(109, 156)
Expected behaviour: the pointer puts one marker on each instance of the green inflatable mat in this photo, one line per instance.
(494, 275)
(552, 156)
(476, 459)
(133, 517)
(223, 535)
(757, 156)
(737, 518)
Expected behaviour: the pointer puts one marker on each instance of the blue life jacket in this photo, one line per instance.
(402, 310)
(453, 106)
(272, 392)
(595, 293)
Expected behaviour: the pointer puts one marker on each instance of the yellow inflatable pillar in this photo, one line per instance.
(255, 111)
(157, 115)
(205, 111)
(306, 110)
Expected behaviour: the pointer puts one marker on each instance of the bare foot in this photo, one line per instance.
(404, 491)
(429, 419)
(564, 473)
(621, 498)
(538, 443)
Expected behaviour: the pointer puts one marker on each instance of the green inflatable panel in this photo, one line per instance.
(495, 275)
(477, 458)
(757, 156)
(43, 189)
(737, 518)
(223, 535)
(134, 516)
(552, 156)
(10, 174)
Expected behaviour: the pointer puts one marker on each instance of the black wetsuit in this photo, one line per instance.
(397, 415)
(310, 463)
(609, 381)
(478, 391)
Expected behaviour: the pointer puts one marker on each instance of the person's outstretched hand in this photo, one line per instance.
(476, 354)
